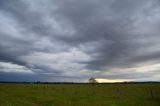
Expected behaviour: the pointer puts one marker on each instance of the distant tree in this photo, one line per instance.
(92, 80)
(38, 82)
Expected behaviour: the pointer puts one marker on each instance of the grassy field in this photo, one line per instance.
(79, 94)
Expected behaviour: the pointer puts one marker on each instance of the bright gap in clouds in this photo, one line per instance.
(100, 80)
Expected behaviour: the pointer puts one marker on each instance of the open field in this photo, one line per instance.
(12, 94)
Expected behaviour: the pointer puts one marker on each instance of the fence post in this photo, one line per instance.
(151, 93)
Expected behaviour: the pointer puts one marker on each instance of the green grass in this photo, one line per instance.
(79, 94)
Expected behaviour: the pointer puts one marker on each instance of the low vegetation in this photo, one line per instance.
(13, 94)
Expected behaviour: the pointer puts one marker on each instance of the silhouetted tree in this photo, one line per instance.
(92, 80)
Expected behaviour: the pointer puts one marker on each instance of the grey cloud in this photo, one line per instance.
(111, 34)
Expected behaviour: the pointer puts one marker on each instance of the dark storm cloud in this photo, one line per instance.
(30, 78)
(80, 38)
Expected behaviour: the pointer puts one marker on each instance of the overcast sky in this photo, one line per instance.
(73, 40)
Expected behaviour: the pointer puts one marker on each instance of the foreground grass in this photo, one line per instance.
(79, 95)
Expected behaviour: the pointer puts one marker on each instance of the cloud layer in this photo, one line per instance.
(73, 40)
